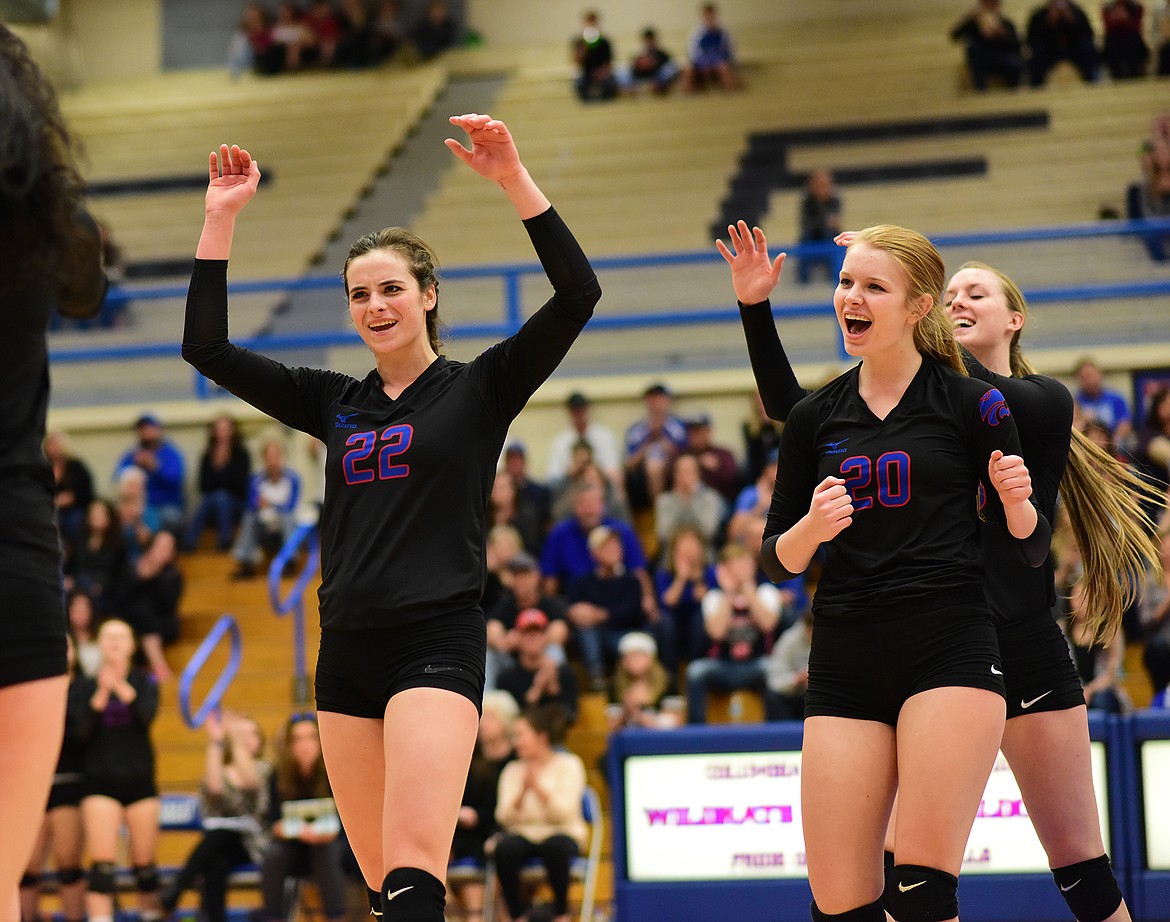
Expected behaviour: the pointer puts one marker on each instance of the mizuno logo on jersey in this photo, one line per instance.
(834, 448)
(993, 408)
(343, 421)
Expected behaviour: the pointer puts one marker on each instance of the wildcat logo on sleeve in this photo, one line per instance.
(993, 408)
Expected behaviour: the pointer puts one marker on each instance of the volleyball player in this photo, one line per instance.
(412, 450)
(52, 262)
(882, 467)
(1046, 739)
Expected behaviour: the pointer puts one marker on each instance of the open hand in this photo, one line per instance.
(1009, 475)
(753, 275)
(232, 181)
(493, 153)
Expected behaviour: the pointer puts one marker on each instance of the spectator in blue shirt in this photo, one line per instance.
(164, 466)
(272, 501)
(711, 58)
(566, 556)
(1095, 401)
(651, 446)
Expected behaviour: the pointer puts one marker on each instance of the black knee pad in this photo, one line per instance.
(69, 876)
(29, 880)
(871, 912)
(915, 893)
(412, 895)
(101, 877)
(375, 901)
(146, 878)
(1089, 888)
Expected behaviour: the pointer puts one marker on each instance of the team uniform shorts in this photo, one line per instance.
(32, 602)
(125, 791)
(1037, 667)
(359, 671)
(67, 791)
(867, 669)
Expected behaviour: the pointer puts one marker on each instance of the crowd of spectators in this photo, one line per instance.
(710, 60)
(349, 33)
(639, 579)
(1061, 30)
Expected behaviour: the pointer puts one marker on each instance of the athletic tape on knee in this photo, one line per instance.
(1089, 888)
(871, 912)
(29, 880)
(69, 876)
(412, 895)
(146, 878)
(915, 893)
(101, 877)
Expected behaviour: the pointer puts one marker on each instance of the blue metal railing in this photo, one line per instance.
(294, 601)
(511, 276)
(226, 626)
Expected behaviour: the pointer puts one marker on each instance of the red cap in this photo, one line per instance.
(531, 618)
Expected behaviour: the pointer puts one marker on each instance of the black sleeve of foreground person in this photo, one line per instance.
(289, 395)
(775, 380)
(509, 372)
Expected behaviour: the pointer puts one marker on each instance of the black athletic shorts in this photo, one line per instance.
(66, 793)
(866, 669)
(359, 671)
(1037, 667)
(125, 791)
(32, 602)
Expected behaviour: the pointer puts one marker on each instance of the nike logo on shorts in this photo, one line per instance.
(904, 888)
(1064, 889)
(393, 893)
(995, 671)
(431, 670)
(1027, 704)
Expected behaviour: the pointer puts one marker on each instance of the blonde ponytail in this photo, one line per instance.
(1112, 530)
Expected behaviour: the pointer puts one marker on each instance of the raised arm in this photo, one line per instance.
(510, 372)
(232, 181)
(493, 155)
(754, 276)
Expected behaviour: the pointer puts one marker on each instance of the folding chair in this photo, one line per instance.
(584, 869)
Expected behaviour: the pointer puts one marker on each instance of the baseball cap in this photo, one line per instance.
(699, 419)
(577, 401)
(147, 419)
(531, 619)
(637, 642)
(516, 448)
(657, 388)
(521, 562)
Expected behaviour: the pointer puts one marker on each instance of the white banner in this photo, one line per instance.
(723, 816)
(1156, 798)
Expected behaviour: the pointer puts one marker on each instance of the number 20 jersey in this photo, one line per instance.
(916, 479)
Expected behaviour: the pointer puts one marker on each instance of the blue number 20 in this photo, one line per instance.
(893, 477)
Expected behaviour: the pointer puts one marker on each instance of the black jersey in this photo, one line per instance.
(1043, 410)
(407, 480)
(914, 478)
(117, 739)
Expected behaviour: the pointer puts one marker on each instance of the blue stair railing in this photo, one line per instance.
(294, 601)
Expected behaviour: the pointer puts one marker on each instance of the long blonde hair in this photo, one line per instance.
(926, 275)
(1104, 502)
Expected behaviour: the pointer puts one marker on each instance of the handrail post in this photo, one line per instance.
(294, 601)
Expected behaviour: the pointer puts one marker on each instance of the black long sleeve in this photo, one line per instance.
(775, 380)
